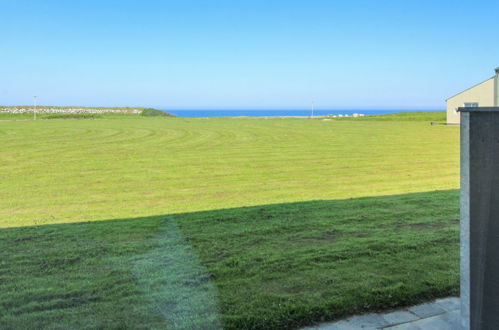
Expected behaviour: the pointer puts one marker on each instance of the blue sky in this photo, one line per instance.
(245, 54)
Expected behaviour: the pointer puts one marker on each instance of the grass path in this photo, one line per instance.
(179, 286)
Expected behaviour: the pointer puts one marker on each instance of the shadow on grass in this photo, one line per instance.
(270, 266)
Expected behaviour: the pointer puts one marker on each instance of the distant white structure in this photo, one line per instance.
(355, 115)
(34, 104)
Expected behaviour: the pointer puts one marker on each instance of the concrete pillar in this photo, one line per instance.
(465, 219)
(496, 89)
(480, 218)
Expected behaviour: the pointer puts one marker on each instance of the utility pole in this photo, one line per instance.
(313, 108)
(34, 111)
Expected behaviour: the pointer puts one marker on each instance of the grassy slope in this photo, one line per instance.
(310, 249)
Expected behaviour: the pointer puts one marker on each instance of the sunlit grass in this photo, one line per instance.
(87, 170)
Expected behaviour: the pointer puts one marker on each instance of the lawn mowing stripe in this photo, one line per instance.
(179, 286)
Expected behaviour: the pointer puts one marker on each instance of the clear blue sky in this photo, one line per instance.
(245, 54)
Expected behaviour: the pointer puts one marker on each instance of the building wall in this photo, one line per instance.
(483, 94)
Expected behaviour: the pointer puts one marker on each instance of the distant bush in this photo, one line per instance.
(150, 112)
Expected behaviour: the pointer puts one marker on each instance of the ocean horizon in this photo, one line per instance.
(280, 112)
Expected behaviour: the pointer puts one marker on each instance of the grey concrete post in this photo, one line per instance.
(496, 88)
(480, 218)
(465, 220)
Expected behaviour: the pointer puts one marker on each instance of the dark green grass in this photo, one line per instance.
(75, 276)
(273, 266)
(290, 265)
(15, 116)
(72, 116)
(45, 116)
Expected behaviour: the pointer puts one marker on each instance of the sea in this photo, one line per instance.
(280, 113)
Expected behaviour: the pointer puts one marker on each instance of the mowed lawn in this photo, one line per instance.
(223, 222)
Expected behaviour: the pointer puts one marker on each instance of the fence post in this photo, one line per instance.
(480, 218)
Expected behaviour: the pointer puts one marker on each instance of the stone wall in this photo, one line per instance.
(44, 109)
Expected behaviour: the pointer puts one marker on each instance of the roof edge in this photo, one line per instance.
(467, 89)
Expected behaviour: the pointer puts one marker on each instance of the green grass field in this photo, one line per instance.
(250, 223)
